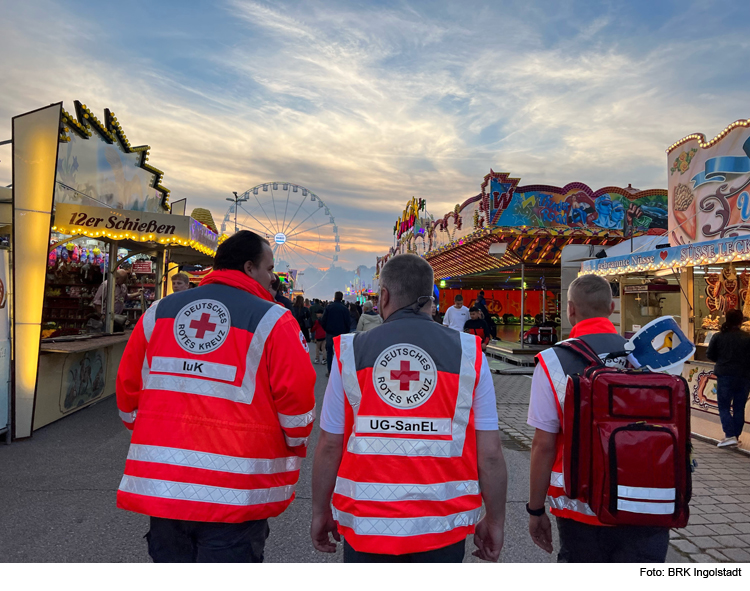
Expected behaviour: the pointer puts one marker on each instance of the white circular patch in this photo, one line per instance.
(303, 341)
(404, 376)
(280, 238)
(202, 326)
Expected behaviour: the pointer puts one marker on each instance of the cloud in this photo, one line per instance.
(369, 105)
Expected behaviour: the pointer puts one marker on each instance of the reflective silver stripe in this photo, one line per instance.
(127, 417)
(194, 367)
(186, 491)
(413, 526)
(645, 508)
(373, 491)
(208, 461)
(557, 479)
(258, 343)
(243, 393)
(349, 372)
(556, 374)
(292, 421)
(144, 371)
(393, 446)
(652, 494)
(295, 441)
(199, 387)
(562, 502)
(149, 320)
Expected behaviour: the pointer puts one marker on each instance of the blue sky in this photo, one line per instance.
(370, 103)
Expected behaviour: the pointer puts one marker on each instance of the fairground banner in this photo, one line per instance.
(687, 255)
(709, 186)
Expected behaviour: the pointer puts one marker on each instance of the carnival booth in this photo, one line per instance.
(87, 208)
(705, 272)
(508, 241)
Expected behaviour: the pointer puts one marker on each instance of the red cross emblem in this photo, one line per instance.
(203, 326)
(405, 376)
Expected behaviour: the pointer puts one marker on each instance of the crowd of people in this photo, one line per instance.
(217, 385)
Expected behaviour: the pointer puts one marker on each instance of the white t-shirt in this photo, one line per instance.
(332, 415)
(542, 405)
(455, 318)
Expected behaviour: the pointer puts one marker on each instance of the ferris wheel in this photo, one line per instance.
(296, 222)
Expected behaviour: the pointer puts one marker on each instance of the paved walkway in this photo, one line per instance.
(719, 526)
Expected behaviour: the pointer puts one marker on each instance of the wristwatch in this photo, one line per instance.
(535, 512)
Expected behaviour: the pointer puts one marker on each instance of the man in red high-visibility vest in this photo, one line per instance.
(217, 385)
(409, 443)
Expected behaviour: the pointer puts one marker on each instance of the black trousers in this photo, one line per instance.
(173, 540)
(329, 351)
(580, 542)
(452, 553)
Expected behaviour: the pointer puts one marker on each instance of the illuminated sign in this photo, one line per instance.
(410, 221)
(280, 238)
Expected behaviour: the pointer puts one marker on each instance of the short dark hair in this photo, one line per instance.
(239, 248)
(338, 296)
(481, 292)
(407, 277)
(458, 297)
(474, 309)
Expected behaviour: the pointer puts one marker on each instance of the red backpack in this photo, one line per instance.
(626, 448)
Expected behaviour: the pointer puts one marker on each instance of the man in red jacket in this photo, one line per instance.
(220, 423)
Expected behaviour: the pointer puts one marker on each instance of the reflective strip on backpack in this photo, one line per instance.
(375, 491)
(207, 461)
(645, 508)
(243, 393)
(557, 480)
(648, 494)
(293, 421)
(392, 446)
(563, 503)
(201, 493)
(412, 526)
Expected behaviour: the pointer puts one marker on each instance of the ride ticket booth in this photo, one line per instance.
(87, 208)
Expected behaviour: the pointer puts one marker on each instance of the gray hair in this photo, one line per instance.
(407, 277)
(367, 306)
(592, 296)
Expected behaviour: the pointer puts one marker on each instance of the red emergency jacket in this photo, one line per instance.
(217, 385)
(408, 480)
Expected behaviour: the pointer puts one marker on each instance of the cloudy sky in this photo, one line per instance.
(370, 103)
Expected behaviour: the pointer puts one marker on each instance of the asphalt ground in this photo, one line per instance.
(58, 491)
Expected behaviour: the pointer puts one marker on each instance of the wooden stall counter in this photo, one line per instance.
(75, 374)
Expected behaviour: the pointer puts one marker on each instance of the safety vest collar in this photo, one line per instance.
(405, 313)
(239, 280)
(593, 326)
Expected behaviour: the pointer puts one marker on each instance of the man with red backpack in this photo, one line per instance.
(589, 527)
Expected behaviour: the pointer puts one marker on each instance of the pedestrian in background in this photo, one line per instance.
(456, 316)
(302, 316)
(180, 282)
(481, 303)
(730, 350)
(277, 291)
(353, 316)
(220, 423)
(319, 334)
(369, 319)
(336, 321)
(409, 494)
(478, 327)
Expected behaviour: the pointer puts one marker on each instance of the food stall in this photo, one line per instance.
(705, 271)
(85, 204)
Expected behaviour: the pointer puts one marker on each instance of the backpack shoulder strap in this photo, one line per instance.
(582, 349)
